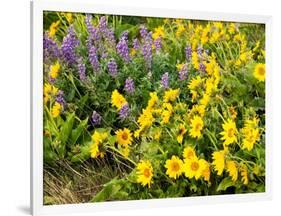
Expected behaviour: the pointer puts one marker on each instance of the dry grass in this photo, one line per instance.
(66, 183)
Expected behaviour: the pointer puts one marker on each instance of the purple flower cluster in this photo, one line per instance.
(81, 69)
(200, 51)
(112, 67)
(202, 67)
(93, 32)
(188, 52)
(50, 48)
(124, 111)
(165, 80)
(158, 43)
(147, 49)
(122, 47)
(93, 58)
(68, 47)
(106, 32)
(60, 98)
(143, 31)
(96, 118)
(183, 72)
(136, 44)
(129, 85)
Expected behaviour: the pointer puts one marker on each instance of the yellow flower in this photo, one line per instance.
(144, 173)
(250, 133)
(133, 52)
(171, 95)
(49, 91)
(196, 127)
(218, 161)
(179, 66)
(54, 70)
(180, 30)
(174, 167)
(244, 174)
(124, 137)
(53, 28)
(189, 153)
(195, 60)
(94, 150)
(206, 172)
(229, 132)
(259, 72)
(146, 119)
(231, 168)
(153, 100)
(194, 83)
(97, 139)
(193, 167)
(158, 32)
(68, 17)
(56, 110)
(117, 99)
(181, 132)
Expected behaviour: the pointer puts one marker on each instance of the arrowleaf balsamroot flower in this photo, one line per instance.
(144, 173)
(229, 134)
(259, 72)
(117, 99)
(56, 110)
(124, 137)
(171, 95)
(232, 170)
(219, 161)
(189, 153)
(193, 167)
(197, 125)
(174, 167)
(97, 140)
(181, 131)
(54, 70)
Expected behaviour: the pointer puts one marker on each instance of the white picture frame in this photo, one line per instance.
(86, 6)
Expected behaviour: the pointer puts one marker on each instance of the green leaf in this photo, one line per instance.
(66, 128)
(225, 183)
(75, 134)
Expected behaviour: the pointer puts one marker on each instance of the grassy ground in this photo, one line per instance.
(65, 183)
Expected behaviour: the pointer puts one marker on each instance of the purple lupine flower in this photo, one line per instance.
(69, 44)
(60, 98)
(158, 43)
(96, 118)
(81, 69)
(165, 80)
(103, 24)
(93, 58)
(122, 47)
(50, 48)
(93, 32)
(188, 52)
(136, 44)
(129, 85)
(109, 35)
(183, 72)
(200, 51)
(112, 68)
(147, 49)
(143, 31)
(202, 67)
(124, 111)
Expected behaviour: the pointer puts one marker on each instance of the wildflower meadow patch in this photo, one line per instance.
(144, 108)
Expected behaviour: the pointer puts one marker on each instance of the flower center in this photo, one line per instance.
(146, 172)
(124, 136)
(198, 126)
(261, 71)
(230, 132)
(190, 154)
(175, 166)
(194, 166)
